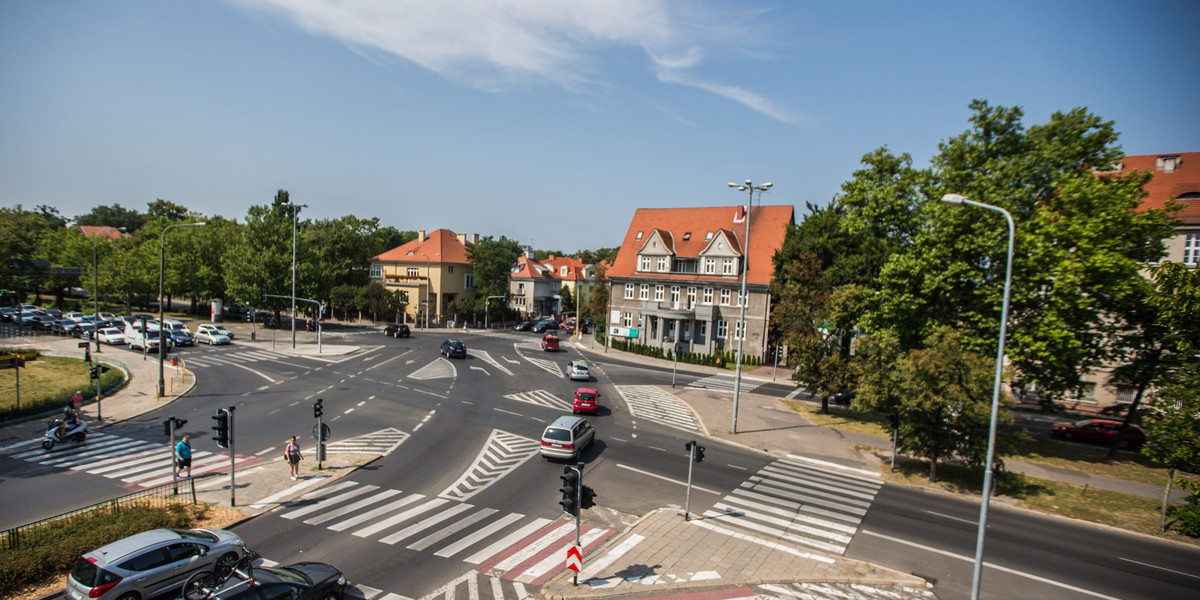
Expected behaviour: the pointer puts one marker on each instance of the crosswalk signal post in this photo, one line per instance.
(319, 432)
(224, 439)
(695, 455)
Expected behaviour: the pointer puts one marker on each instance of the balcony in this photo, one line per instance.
(400, 279)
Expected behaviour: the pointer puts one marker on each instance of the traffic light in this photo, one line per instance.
(318, 409)
(222, 428)
(587, 497)
(570, 491)
(173, 423)
(696, 450)
(167, 428)
(894, 419)
(699, 453)
(95, 372)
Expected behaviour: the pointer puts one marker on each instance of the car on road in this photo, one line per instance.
(523, 326)
(566, 437)
(1099, 430)
(577, 370)
(209, 334)
(397, 330)
(178, 334)
(545, 325)
(299, 581)
(151, 563)
(84, 331)
(550, 342)
(6, 313)
(587, 400)
(111, 335)
(43, 322)
(454, 348)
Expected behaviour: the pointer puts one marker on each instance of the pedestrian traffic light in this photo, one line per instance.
(222, 428)
(318, 409)
(570, 491)
(587, 497)
(95, 372)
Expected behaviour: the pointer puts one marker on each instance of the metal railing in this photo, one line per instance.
(183, 490)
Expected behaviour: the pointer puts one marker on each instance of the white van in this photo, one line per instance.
(140, 340)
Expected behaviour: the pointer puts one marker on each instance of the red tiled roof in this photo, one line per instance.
(1183, 180)
(441, 246)
(575, 266)
(768, 226)
(104, 231)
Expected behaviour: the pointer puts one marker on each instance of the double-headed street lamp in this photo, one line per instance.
(743, 299)
(295, 210)
(162, 345)
(977, 573)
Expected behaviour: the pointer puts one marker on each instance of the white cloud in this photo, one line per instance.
(501, 44)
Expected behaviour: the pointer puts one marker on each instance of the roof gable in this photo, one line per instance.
(440, 246)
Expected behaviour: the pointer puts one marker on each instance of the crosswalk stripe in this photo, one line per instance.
(474, 538)
(810, 483)
(506, 541)
(351, 522)
(451, 529)
(426, 523)
(322, 503)
(555, 559)
(746, 524)
(380, 497)
(534, 548)
(855, 517)
(400, 518)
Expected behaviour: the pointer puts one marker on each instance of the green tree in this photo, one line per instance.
(1172, 426)
(375, 299)
(162, 209)
(21, 235)
(113, 216)
(598, 299)
(492, 260)
(262, 259)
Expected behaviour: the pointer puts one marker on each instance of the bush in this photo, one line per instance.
(1187, 517)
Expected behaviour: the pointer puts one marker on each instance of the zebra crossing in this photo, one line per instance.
(653, 404)
(799, 503)
(502, 453)
(541, 398)
(841, 591)
(381, 442)
(193, 360)
(525, 348)
(441, 368)
(508, 545)
(135, 462)
(723, 383)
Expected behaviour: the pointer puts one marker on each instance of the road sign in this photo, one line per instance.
(324, 432)
(574, 558)
(321, 321)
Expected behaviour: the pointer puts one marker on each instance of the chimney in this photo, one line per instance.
(420, 235)
(475, 238)
(462, 238)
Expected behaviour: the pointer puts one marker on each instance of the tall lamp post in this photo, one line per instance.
(977, 573)
(162, 345)
(96, 284)
(743, 300)
(295, 210)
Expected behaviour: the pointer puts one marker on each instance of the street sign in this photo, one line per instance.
(574, 558)
(324, 432)
(321, 321)
(626, 332)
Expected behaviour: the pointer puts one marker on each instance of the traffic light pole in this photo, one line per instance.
(232, 482)
(170, 423)
(695, 455)
(578, 518)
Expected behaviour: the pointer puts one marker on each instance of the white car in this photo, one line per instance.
(111, 335)
(210, 334)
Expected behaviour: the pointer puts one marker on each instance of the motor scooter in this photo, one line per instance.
(74, 434)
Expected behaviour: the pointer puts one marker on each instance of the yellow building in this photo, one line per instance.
(434, 271)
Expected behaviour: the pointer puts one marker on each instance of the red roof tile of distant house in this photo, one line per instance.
(1175, 176)
(441, 246)
(104, 231)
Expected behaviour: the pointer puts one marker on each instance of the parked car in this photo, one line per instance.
(397, 330)
(454, 348)
(1099, 430)
(151, 563)
(221, 328)
(84, 331)
(54, 312)
(111, 335)
(550, 342)
(587, 400)
(523, 326)
(43, 322)
(566, 437)
(545, 325)
(6, 313)
(578, 370)
(209, 334)
(300, 581)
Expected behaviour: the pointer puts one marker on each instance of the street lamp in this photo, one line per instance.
(96, 284)
(162, 346)
(428, 284)
(987, 474)
(743, 299)
(295, 210)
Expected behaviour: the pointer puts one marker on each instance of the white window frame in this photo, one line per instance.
(664, 264)
(742, 298)
(722, 328)
(469, 281)
(727, 267)
(691, 296)
(629, 291)
(626, 319)
(674, 295)
(376, 272)
(710, 266)
(708, 296)
(414, 272)
(739, 330)
(1191, 249)
(644, 292)
(658, 293)
(644, 263)
(725, 296)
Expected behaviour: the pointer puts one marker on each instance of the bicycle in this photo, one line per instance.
(203, 584)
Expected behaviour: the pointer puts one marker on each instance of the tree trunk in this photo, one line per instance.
(933, 468)
(1162, 515)
(824, 404)
(1137, 399)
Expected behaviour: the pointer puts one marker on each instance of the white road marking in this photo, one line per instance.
(676, 481)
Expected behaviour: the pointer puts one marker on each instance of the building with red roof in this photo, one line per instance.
(678, 275)
(535, 286)
(433, 270)
(112, 234)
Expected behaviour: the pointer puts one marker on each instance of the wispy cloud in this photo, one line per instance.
(503, 44)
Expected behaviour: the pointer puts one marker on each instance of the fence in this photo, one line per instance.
(162, 495)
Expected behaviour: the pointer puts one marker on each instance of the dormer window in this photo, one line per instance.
(687, 236)
(644, 263)
(564, 270)
(1168, 163)
(663, 263)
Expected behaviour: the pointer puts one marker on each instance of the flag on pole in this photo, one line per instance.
(739, 216)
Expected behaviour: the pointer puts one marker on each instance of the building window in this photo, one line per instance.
(626, 319)
(658, 293)
(469, 281)
(1125, 395)
(739, 332)
(674, 295)
(1191, 249)
(742, 297)
(1167, 164)
(708, 236)
(669, 330)
(565, 270)
(710, 266)
(644, 292)
(639, 235)
(521, 289)
(414, 272)
(450, 269)
(691, 297)
(519, 300)
(654, 328)
(663, 265)
(722, 329)
(687, 236)
(629, 291)
(376, 272)
(725, 299)
(703, 331)
(644, 264)
(708, 296)
(727, 266)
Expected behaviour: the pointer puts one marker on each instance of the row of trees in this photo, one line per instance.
(891, 293)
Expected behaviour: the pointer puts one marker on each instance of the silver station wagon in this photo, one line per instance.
(150, 563)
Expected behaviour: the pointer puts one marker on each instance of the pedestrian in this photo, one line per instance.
(183, 456)
(291, 453)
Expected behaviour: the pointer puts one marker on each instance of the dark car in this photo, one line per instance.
(454, 348)
(300, 581)
(180, 337)
(523, 326)
(43, 322)
(396, 330)
(1099, 430)
(6, 313)
(545, 325)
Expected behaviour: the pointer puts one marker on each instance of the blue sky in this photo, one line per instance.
(546, 121)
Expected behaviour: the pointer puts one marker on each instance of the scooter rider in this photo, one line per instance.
(70, 420)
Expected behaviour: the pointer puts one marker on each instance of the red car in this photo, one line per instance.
(1098, 430)
(550, 342)
(587, 400)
